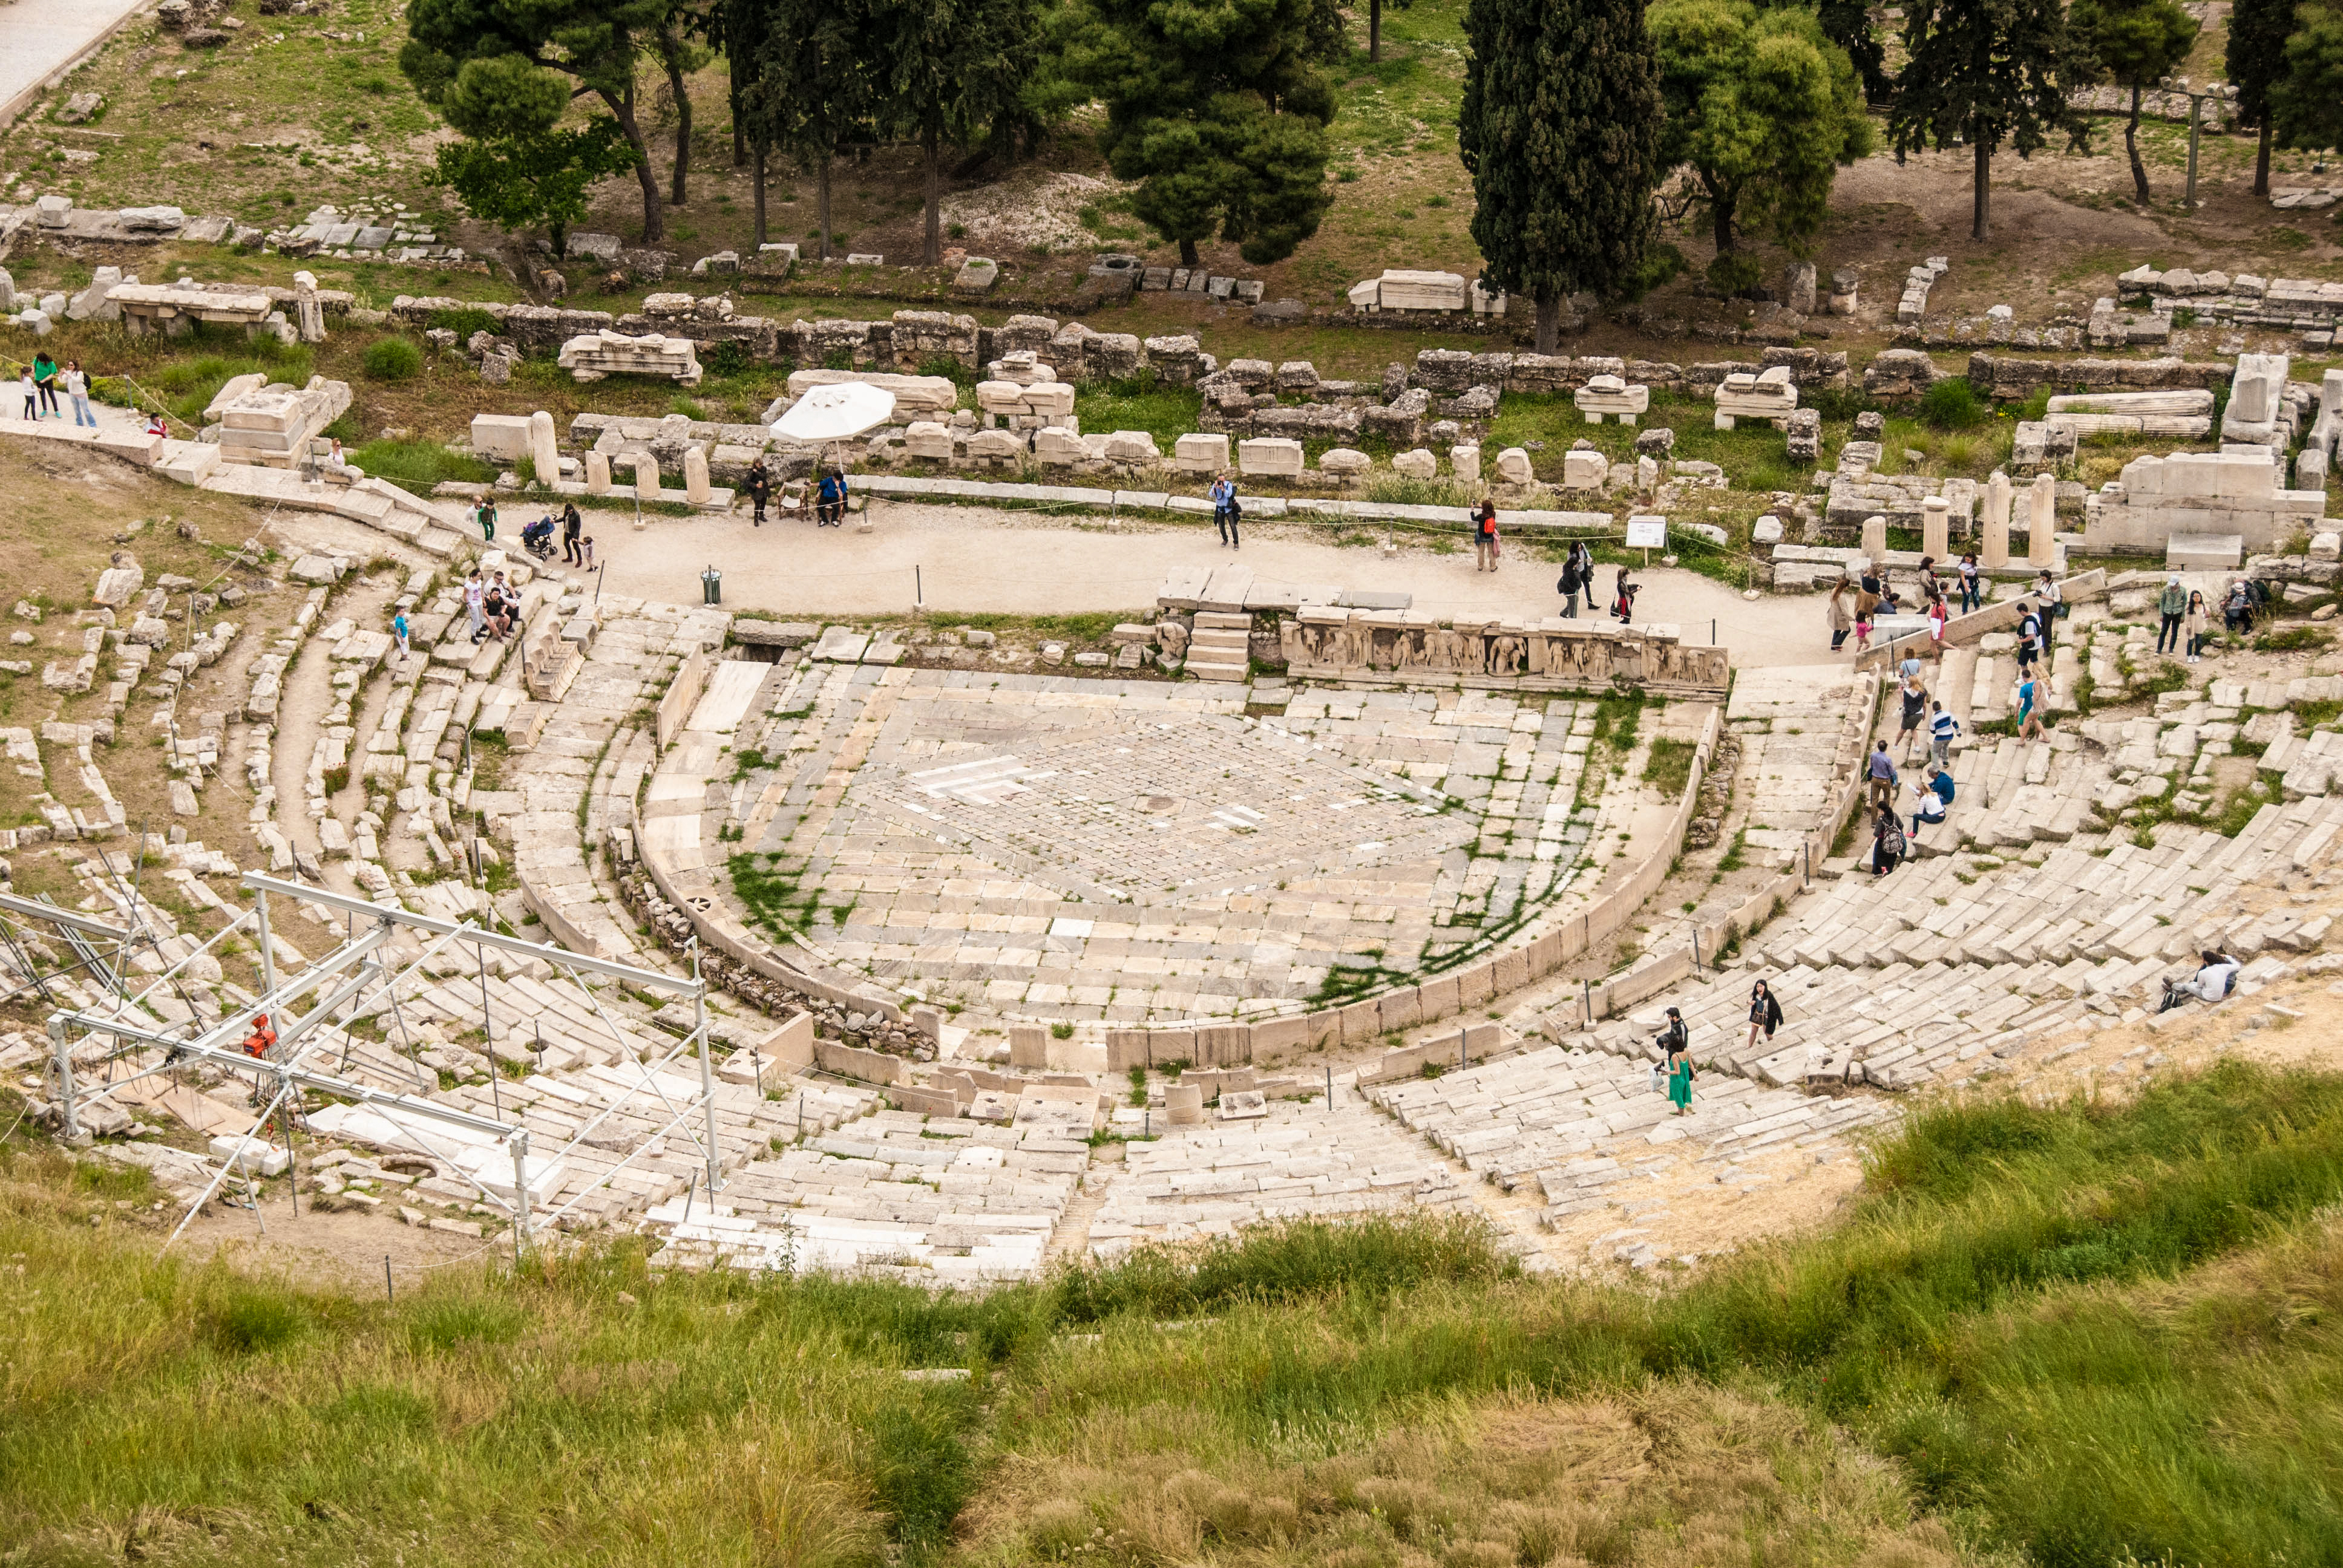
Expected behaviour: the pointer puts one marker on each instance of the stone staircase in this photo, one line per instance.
(1219, 648)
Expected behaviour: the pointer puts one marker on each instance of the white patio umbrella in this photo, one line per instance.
(836, 413)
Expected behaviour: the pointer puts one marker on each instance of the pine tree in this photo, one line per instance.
(776, 47)
(2137, 42)
(948, 70)
(2256, 62)
(1560, 128)
(1216, 109)
(1986, 72)
(598, 44)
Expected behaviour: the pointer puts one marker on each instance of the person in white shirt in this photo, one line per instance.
(2213, 982)
(77, 388)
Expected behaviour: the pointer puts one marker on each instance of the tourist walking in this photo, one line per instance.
(1942, 727)
(2029, 629)
(44, 377)
(24, 380)
(1622, 599)
(1680, 1083)
(1915, 714)
(1224, 494)
(1881, 771)
(1584, 560)
(1939, 612)
(1971, 584)
(572, 524)
(487, 520)
(2054, 605)
(759, 485)
(77, 388)
(2171, 608)
(1930, 589)
(2196, 624)
(399, 634)
(1485, 537)
(1570, 584)
(475, 596)
(2029, 717)
(1888, 845)
(1931, 799)
(1836, 613)
(1764, 1013)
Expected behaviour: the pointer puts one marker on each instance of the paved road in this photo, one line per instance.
(970, 558)
(37, 37)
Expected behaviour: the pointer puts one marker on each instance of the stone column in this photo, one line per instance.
(1996, 521)
(1935, 526)
(307, 308)
(695, 475)
(544, 449)
(1875, 540)
(2042, 518)
(597, 474)
(647, 477)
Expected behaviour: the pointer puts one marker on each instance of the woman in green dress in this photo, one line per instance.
(1680, 1082)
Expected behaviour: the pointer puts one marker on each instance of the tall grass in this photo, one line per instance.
(2090, 1332)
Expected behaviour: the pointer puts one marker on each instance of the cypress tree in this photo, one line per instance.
(2256, 61)
(1561, 130)
(1984, 72)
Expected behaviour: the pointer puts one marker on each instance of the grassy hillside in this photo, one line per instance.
(2066, 1334)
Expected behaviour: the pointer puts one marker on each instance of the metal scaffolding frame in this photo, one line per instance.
(340, 982)
(81, 933)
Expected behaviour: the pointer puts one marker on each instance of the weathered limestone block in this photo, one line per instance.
(1610, 395)
(1769, 395)
(1514, 466)
(1201, 453)
(1274, 457)
(916, 396)
(592, 357)
(1418, 464)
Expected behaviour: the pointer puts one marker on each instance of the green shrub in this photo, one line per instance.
(393, 359)
(725, 358)
(464, 322)
(1952, 404)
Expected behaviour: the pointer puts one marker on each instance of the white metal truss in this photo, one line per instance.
(339, 983)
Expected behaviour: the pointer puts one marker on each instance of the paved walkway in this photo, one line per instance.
(40, 37)
(974, 558)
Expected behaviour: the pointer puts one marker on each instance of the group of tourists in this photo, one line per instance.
(44, 378)
(1673, 1073)
(829, 497)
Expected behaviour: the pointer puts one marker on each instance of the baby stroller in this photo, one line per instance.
(538, 538)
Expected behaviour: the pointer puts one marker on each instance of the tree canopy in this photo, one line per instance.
(2308, 101)
(2255, 58)
(1561, 130)
(1216, 108)
(596, 44)
(1763, 109)
(1986, 72)
(2137, 42)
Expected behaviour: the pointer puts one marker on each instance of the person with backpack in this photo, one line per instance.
(1764, 1013)
(1971, 585)
(2213, 981)
(2029, 631)
(1569, 585)
(1888, 845)
(1485, 537)
(1223, 497)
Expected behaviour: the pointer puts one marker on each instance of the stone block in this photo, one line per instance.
(1583, 470)
(1514, 466)
(1201, 453)
(1271, 457)
(1466, 463)
(1416, 464)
